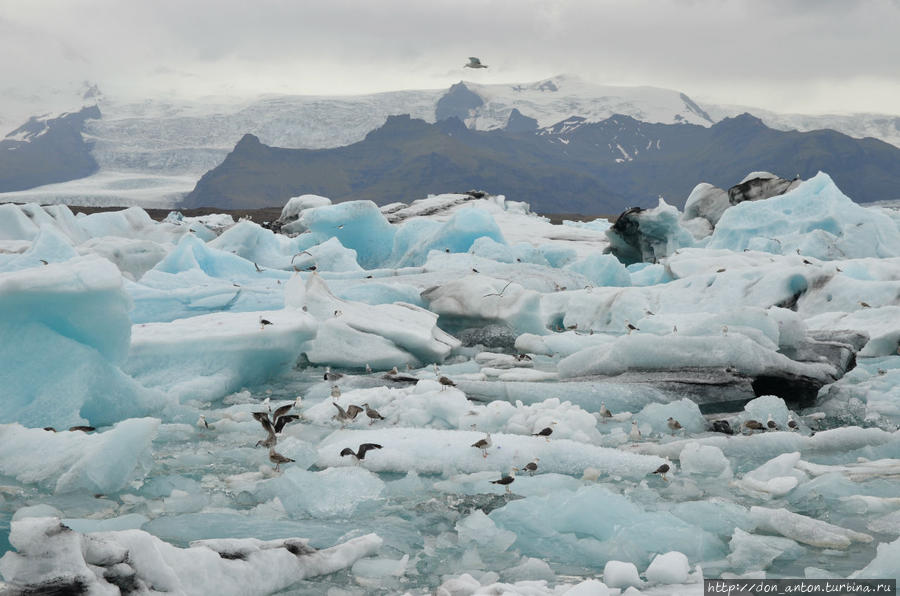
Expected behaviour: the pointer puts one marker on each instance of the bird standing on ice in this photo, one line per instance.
(635, 434)
(604, 411)
(663, 469)
(507, 480)
(483, 444)
(532, 466)
(372, 414)
(474, 63)
(278, 459)
(674, 425)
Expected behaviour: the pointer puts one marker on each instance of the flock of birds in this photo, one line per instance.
(273, 422)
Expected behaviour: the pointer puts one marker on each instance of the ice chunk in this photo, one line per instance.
(619, 574)
(885, 565)
(775, 478)
(815, 218)
(335, 492)
(704, 460)
(69, 461)
(488, 299)
(648, 234)
(357, 333)
(668, 568)
(52, 555)
(480, 529)
(750, 552)
(417, 237)
(805, 529)
(209, 356)
(75, 316)
(358, 225)
(602, 270)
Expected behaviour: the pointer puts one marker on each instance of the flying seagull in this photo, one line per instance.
(361, 452)
(474, 63)
(500, 293)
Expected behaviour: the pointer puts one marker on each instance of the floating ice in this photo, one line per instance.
(69, 461)
(52, 556)
(668, 568)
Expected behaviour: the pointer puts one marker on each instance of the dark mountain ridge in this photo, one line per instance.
(571, 166)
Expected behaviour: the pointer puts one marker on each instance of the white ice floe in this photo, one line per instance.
(101, 562)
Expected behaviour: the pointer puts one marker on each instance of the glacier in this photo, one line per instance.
(724, 405)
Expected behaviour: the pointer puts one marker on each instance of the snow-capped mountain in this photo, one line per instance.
(152, 152)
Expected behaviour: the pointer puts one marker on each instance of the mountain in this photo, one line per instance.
(153, 151)
(47, 150)
(574, 165)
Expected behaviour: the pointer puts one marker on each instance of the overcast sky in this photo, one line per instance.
(810, 56)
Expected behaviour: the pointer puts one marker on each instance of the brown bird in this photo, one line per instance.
(770, 424)
(84, 429)
(278, 459)
(446, 383)
(545, 432)
(753, 425)
(792, 424)
(507, 480)
(483, 444)
(674, 425)
(346, 415)
(361, 452)
(372, 414)
(865, 304)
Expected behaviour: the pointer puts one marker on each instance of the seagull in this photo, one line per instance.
(445, 382)
(545, 432)
(635, 434)
(792, 424)
(721, 270)
(361, 452)
(500, 293)
(662, 470)
(330, 376)
(483, 444)
(277, 459)
(865, 304)
(531, 466)
(474, 63)
(724, 330)
(630, 327)
(298, 402)
(44, 261)
(335, 392)
(258, 270)
(753, 425)
(771, 423)
(264, 322)
(674, 425)
(346, 415)
(368, 368)
(373, 414)
(604, 411)
(202, 423)
(507, 480)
